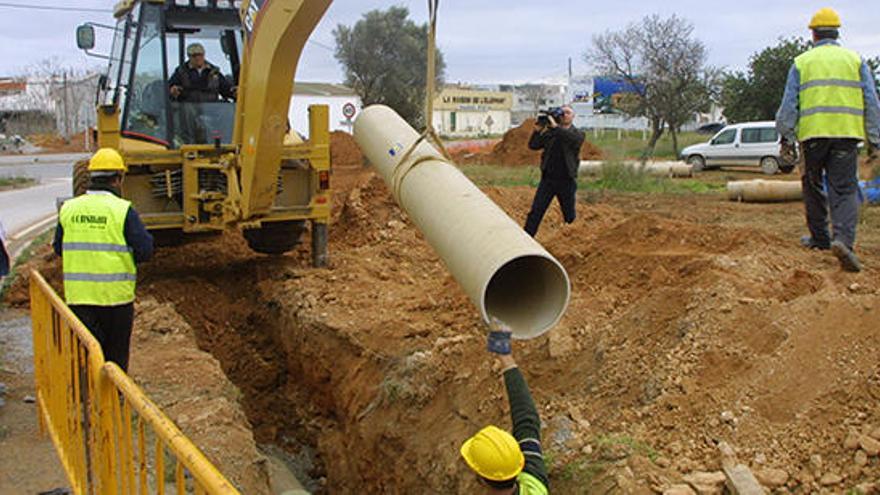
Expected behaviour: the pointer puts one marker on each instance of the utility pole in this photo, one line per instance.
(66, 114)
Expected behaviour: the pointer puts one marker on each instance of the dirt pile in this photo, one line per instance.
(55, 143)
(344, 151)
(513, 149)
(679, 336)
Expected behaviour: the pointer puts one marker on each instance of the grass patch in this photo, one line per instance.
(16, 182)
(26, 255)
(581, 472)
(629, 443)
(614, 177)
(499, 176)
(630, 145)
(617, 177)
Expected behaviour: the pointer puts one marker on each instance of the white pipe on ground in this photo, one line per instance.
(505, 272)
(660, 169)
(764, 191)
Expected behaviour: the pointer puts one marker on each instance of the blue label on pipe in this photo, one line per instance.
(397, 148)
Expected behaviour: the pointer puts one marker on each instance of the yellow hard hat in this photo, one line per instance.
(107, 160)
(494, 454)
(825, 18)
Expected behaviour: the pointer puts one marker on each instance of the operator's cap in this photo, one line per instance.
(195, 49)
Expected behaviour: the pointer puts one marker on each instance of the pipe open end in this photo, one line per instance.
(529, 293)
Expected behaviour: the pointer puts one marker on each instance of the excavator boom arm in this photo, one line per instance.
(276, 32)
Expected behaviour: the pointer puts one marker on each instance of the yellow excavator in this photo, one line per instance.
(204, 166)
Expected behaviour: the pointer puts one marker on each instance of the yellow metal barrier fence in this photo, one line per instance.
(110, 437)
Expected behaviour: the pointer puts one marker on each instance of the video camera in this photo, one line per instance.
(555, 112)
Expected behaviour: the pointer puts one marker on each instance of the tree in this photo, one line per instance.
(384, 56)
(756, 94)
(665, 64)
(874, 65)
(534, 94)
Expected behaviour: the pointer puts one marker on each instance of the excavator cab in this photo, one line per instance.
(149, 47)
(202, 161)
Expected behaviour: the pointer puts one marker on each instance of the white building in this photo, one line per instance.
(52, 104)
(531, 97)
(335, 96)
(466, 112)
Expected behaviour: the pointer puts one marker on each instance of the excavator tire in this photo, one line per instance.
(80, 177)
(275, 237)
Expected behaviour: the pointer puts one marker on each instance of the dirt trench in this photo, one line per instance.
(308, 388)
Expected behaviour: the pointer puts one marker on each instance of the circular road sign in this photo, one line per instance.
(348, 110)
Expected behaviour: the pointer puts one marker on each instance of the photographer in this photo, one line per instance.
(561, 142)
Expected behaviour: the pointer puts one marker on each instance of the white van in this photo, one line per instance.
(746, 144)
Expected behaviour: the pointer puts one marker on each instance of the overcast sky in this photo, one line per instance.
(486, 41)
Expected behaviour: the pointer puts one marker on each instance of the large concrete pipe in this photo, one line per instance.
(764, 191)
(658, 169)
(501, 268)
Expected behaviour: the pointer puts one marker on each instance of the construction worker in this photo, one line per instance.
(561, 143)
(199, 81)
(830, 105)
(509, 464)
(100, 238)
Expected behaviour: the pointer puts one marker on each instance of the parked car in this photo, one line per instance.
(745, 144)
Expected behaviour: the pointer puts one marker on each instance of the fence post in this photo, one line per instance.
(104, 448)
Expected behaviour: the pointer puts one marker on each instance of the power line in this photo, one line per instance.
(51, 7)
(322, 45)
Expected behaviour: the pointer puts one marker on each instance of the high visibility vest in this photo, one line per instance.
(831, 101)
(99, 267)
(530, 485)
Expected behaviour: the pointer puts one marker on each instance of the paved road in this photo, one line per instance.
(39, 166)
(22, 208)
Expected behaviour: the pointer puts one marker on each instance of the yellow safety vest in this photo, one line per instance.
(831, 101)
(530, 485)
(99, 267)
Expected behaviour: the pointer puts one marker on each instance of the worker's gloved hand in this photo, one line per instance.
(499, 337)
(788, 152)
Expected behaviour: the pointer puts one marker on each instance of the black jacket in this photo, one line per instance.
(559, 145)
(198, 86)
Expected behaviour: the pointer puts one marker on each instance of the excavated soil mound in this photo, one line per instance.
(513, 150)
(679, 335)
(344, 151)
(54, 143)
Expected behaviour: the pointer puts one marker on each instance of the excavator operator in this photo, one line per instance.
(199, 81)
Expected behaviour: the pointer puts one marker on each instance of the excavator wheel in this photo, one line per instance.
(275, 237)
(80, 177)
